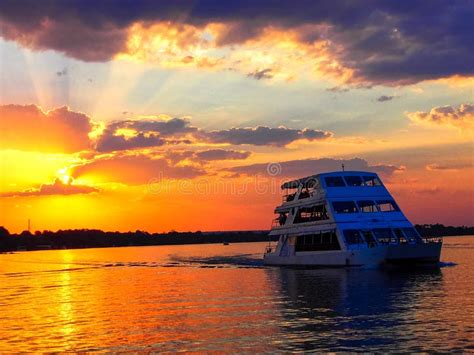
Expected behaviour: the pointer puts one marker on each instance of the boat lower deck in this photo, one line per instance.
(401, 254)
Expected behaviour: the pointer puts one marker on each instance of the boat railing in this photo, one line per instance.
(288, 197)
(303, 195)
(277, 223)
(270, 248)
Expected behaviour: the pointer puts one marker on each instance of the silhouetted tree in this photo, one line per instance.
(25, 234)
(4, 232)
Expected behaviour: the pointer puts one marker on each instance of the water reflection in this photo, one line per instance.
(340, 309)
(216, 298)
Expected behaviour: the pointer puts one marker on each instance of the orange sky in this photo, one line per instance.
(165, 124)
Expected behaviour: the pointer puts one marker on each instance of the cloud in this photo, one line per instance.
(29, 128)
(428, 191)
(109, 142)
(169, 127)
(64, 131)
(62, 72)
(54, 27)
(135, 134)
(384, 98)
(439, 167)
(204, 156)
(461, 118)
(338, 89)
(305, 167)
(221, 154)
(179, 156)
(261, 74)
(262, 135)
(375, 42)
(56, 188)
(134, 169)
(387, 170)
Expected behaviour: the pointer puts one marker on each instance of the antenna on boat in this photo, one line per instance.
(342, 167)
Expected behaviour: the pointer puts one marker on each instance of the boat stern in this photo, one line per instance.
(417, 254)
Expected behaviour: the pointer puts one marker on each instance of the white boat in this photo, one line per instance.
(345, 218)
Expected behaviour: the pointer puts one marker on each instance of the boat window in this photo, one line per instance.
(399, 235)
(371, 181)
(367, 206)
(344, 207)
(311, 213)
(282, 218)
(352, 236)
(387, 206)
(412, 235)
(334, 181)
(290, 197)
(369, 238)
(317, 242)
(383, 235)
(353, 180)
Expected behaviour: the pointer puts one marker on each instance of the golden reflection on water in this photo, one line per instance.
(220, 298)
(65, 310)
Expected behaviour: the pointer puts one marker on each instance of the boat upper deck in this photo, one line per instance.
(355, 197)
(333, 185)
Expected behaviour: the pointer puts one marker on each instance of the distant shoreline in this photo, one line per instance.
(81, 239)
(93, 238)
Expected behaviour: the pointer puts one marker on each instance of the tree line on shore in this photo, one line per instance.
(94, 238)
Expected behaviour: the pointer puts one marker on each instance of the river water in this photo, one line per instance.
(221, 298)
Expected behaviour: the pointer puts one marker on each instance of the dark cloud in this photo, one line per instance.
(56, 188)
(150, 133)
(262, 135)
(176, 156)
(383, 42)
(108, 142)
(169, 127)
(29, 128)
(166, 128)
(147, 133)
(57, 28)
(300, 168)
(384, 98)
(221, 154)
(400, 44)
(261, 74)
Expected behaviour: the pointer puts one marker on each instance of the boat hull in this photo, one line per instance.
(403, 254)
(409, 254)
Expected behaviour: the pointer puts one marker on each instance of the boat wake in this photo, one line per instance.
(234, 261)
(446, 264)
(243, 261)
